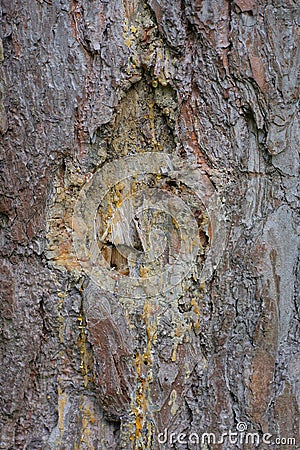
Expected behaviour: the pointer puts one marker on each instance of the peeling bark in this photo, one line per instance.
(211, 87)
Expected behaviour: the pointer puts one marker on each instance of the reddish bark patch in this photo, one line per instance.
(261, 384)
(114, 366)
(247, 5)
(258, 71)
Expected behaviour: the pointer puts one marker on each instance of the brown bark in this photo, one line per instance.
(211, 90)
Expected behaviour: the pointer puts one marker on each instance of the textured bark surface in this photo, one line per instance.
(214, 84)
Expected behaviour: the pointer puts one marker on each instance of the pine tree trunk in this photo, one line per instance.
(148, 214)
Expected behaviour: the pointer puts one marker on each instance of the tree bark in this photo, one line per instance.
(148, 223)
